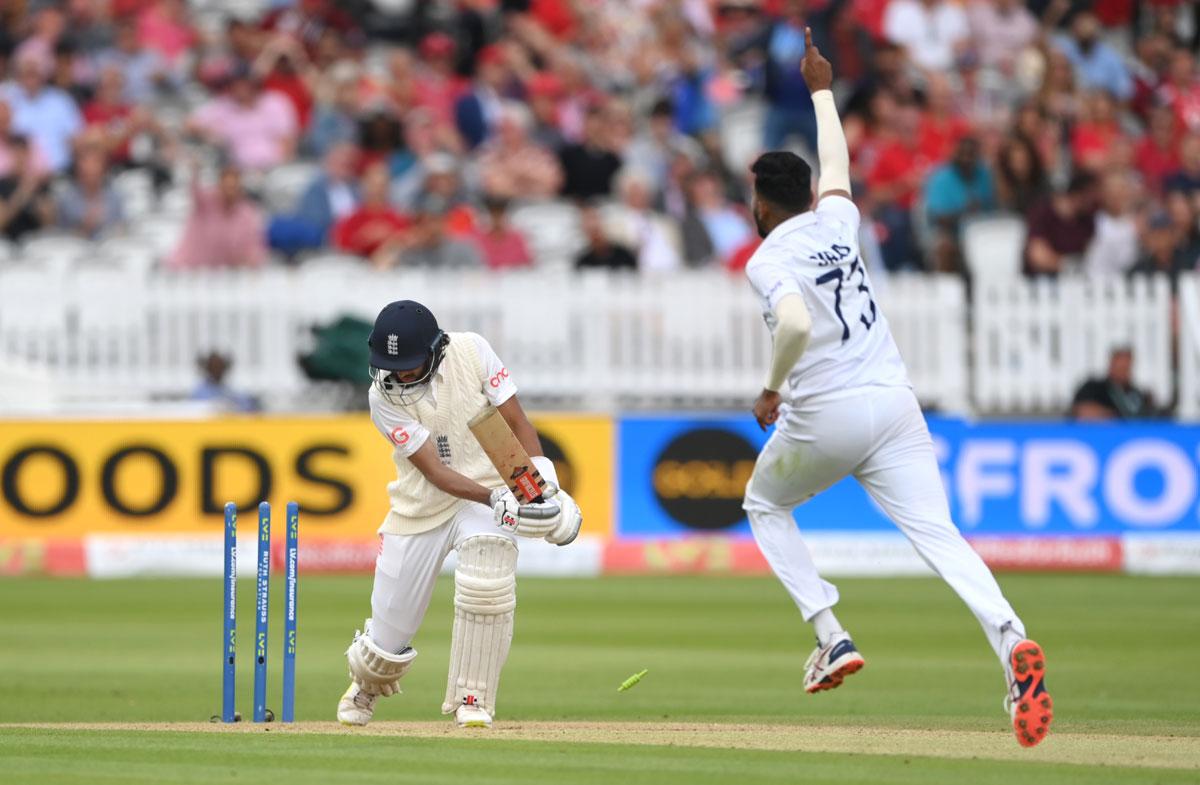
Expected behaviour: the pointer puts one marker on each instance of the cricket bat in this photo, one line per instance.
(508, 456)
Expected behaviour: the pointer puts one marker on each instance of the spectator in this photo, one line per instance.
(789, 103)
(335, 111)
(333, 195)
(958, 188)
(1185, 221)
(225, 228)
(1020, 178)
(512, 166)
(87, 205)
(1165, 249)
(283, 68)
(437, 86)
(941, 125)
(1001, 30)
(143, 69)
(1114, 396)
(164, 28)
(25, 204)
(933, 32)
(1181, 90)
(545, 92)
(501, 246)
(634, 224)
(214, 367)
(443, 186)
(114, 124)
(1113, 249)
(7, 154)
(1096, 133)
(1097, 65)
(428, 244)
(589, 166)
(375, 222)
(1060, 228)
(1157, 153)
(651, 150)
(257, 127)
(893, 183)
(476, 111)
(717, 228)
(601, 253)
(313, 22)
(1187, 177)
(44, 113)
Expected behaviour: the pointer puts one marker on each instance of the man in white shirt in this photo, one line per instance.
(428, 385)
(933, 32)
(850, 410)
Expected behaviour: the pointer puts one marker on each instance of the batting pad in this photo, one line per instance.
(376, 671)
(485, 596)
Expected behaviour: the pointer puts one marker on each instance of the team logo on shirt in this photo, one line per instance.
(393, 344)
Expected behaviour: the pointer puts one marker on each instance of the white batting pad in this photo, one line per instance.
(485, 596)
(376, 671)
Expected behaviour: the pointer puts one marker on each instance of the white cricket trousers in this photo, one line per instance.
(407, 569)
(878, 435)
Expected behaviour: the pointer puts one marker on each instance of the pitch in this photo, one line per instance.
(113, 682)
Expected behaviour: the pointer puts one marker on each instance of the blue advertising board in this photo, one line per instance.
(685, 475)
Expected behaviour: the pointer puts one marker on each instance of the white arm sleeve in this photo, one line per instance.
(831, 145)
(792, 328)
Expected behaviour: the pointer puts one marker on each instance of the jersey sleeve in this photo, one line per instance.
(772, 280)
(498, 385)
(405, 434)
(841, 209)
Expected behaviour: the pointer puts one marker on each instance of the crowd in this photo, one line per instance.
(430, 123)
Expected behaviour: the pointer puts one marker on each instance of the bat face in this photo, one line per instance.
(511, 460)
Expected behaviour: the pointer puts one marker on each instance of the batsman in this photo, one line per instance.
(471, 477)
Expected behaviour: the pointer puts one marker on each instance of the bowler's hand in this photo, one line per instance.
(817, 72)
(766, 408)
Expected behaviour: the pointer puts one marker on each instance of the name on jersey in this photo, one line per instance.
(835, 255)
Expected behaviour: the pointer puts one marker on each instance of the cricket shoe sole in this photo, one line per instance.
(1030, 705)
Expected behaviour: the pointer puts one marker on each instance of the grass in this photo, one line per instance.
(718, 650)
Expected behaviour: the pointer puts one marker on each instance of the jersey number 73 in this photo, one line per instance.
(837, 276)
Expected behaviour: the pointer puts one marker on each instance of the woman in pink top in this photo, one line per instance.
(164, 28)
(225, 228)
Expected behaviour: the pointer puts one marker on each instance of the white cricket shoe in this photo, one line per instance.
(830, 664)
(472, 715)
(356, 707)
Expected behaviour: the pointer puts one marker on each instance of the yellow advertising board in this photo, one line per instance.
(66, 478)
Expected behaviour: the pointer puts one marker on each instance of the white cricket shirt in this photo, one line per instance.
(816, 255)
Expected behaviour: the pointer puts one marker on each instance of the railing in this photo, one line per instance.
(592, 341)
(1189, 348)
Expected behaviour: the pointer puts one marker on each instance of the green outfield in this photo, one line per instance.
(113, 682)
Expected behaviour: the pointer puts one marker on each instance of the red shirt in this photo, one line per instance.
(293, 88)
(895, 163)
(1092, 142)
(938, 136)
(740, 257)
(97, 113)
(364, 230)
(505, 249)
(1155, 162)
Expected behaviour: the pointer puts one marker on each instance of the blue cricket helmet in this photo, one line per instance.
(406, 336)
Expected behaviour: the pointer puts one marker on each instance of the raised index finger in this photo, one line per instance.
(807, 38)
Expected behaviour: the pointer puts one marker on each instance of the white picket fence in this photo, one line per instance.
(594, 342)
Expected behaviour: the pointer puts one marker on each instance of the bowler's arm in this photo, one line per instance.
(832, 151)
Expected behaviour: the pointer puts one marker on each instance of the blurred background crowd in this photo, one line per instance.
(585, 133)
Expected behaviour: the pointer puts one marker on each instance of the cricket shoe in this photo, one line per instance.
(471, 715)
(829, 665)
(1028, 703)
(356, 706)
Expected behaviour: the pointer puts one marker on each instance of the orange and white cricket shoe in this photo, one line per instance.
(1028, 703)
(829, 665)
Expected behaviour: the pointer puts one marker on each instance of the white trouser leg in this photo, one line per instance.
(902, 476)
(789, 471)
(405, 573)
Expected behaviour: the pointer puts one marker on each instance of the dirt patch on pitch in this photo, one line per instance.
(1167, 752)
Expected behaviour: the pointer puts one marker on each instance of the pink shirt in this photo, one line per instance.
(220, 237)
(258, 135)
(160, 33)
